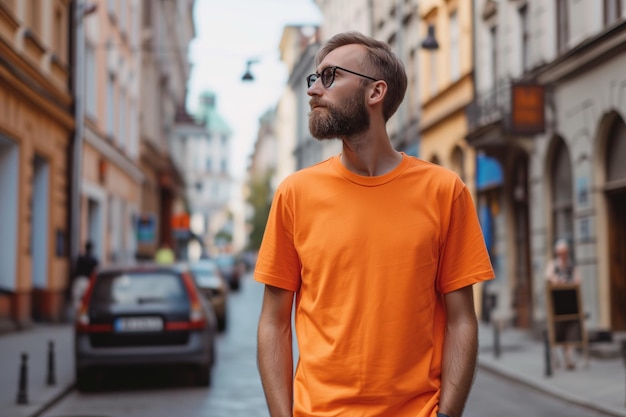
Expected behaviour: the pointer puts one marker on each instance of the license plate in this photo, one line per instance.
(138, 324)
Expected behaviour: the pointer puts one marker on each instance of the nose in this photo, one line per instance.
(313, 90)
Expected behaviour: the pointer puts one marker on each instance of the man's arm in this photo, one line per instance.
(459, 351)
(274, 351)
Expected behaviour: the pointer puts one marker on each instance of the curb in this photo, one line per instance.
(55, 399)
(549, 389)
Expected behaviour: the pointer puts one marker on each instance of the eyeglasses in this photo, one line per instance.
(328, 76)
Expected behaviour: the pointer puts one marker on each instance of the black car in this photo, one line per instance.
(230, 268)
(144, 315)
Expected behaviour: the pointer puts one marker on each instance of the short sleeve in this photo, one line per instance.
(278, 263)
(464, 259)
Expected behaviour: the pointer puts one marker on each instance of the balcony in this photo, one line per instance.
(490, 108)
(515, 108)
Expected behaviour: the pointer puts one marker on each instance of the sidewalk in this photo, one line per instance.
(34, 342)
(600, 386)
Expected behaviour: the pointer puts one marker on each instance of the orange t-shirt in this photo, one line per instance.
(370, 259)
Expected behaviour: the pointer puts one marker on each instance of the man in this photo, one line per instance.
(380, 250)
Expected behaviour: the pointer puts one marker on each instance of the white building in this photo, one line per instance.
(203, 148)
(551, 109)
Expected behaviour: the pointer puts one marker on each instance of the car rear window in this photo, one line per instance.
(206, 275)
(138, 288)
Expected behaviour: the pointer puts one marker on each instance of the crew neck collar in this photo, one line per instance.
(368, 181)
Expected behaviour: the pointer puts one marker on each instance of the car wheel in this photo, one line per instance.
(203, 376)
(85, 380)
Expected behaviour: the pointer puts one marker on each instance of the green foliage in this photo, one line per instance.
(223, 236)
(259, 198)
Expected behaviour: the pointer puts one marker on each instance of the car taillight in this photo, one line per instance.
(82, 322)
(197, 316)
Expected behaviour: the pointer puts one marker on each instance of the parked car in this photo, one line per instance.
(144, 315)
(213, 285)
(230, 269)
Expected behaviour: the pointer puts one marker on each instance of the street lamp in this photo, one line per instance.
(430, 42)
(248, 74)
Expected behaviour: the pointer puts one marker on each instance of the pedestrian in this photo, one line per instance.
(379, 250)
(561, 269)
(86, 265)
(164, 255)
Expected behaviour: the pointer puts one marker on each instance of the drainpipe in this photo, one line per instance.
(81, 9)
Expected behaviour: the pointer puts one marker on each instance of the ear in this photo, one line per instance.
(377, 92)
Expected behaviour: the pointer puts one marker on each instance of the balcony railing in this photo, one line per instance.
(491, 107)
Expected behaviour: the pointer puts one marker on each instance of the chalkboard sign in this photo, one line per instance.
(565, 315)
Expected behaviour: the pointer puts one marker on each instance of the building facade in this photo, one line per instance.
(203, 147)
(298, 47)
(167, 30)
(111, 180)
(549, 110)
(36, 125)
(445, 78)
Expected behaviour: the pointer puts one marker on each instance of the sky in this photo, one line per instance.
(228, 34)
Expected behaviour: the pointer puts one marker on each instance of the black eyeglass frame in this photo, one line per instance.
(311, 78)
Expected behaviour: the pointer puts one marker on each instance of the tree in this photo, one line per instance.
(260, 199)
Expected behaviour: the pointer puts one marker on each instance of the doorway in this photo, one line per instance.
(40, 222)
(9, 175)
(617, 258)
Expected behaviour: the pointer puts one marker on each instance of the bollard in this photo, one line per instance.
(496, 340)
(624, 352)
(22, 396)
(548, 353)
(51, 370)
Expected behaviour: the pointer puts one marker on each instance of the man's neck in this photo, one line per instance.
(370, 155)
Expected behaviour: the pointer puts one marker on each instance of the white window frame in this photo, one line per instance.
(455, 46)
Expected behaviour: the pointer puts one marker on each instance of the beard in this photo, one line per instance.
(348, 118)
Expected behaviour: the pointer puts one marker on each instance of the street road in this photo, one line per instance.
(237, 392)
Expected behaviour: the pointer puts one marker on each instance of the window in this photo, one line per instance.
(224, 166)
(562, 24)
(433, 73)
(209, 165)
(133, 147)
(60, 30)
(493, 43)
(455, 35)
(616, 152)
(33, 16)
(562, 194)
(121, 121)
(90, 81)
(612, 11)
(111, 7)
(110, 105)
(123, 17)
(525, 37)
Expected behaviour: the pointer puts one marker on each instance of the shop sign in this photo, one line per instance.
(527, 109)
